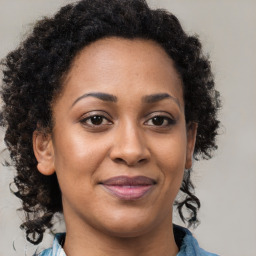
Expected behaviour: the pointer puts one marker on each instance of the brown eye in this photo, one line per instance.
(96, 120)
(161, 121)
(158, 120)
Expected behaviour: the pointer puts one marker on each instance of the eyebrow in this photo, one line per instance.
(111, 98)
(158, 97)
(99, 95)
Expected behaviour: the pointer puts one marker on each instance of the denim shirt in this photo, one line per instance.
(187, 244)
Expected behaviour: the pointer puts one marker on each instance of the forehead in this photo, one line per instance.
(123, 64)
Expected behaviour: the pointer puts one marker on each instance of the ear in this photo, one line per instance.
(191, 141)
(44, 153)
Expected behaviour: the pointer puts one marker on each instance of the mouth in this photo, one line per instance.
(128, 188)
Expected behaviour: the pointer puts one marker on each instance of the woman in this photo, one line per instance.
(106, 104)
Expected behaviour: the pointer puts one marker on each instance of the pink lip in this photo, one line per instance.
(128, 188)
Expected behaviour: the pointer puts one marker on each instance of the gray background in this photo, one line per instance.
(225, 184)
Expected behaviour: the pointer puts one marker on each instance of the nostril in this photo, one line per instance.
(119, 160)
(130, 163)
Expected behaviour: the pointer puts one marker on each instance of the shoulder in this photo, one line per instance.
(56, 249)
(188, 244)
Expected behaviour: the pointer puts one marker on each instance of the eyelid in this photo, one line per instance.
(96, 113)
(167, 116)
(86, 117)
(160, 113)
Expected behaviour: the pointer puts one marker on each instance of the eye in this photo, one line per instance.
(95, 120)
(161, 121)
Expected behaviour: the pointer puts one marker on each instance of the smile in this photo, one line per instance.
(128, 188)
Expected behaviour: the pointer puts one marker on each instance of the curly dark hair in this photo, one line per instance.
(33, 75)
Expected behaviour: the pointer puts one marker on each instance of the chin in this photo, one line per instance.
(124, 231)
(129, 226)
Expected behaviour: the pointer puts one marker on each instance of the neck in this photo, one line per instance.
(82, 239)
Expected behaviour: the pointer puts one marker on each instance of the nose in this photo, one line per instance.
(129, 146)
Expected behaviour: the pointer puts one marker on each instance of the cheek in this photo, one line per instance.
(76, 158)
(172, 152)
(171, 158)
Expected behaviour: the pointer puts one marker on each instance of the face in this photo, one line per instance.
(120, 143)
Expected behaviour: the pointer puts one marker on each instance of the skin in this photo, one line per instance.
(126, 141)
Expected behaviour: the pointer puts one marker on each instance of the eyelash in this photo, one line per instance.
(165, 121)
(89, 118)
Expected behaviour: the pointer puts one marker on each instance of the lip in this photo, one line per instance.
(128, 188)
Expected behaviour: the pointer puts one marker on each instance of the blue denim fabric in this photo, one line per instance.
(189, 246)
(56, 249)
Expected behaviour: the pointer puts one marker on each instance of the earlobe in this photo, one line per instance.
(44, 153)
(191, 141)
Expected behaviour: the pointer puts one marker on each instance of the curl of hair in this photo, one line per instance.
(33, 75)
